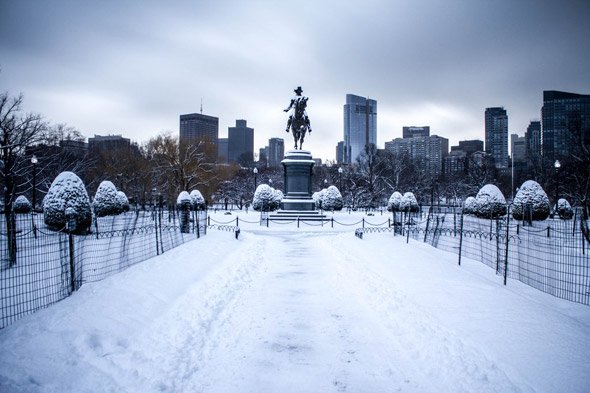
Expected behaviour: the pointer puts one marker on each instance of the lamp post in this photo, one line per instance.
(557, 166)
(325, 182)
(34, 161)
(340, 178)
(255, 170)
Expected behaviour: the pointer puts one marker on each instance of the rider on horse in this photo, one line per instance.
(298, 121)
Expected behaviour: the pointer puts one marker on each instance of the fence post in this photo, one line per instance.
(237, 221)
(267, 221)
(408, 234)
(332, 222)
(198, 226)
(209, 221)
(72, 268)
(297, 221)
(156, 230)
(460, 237)
(548, 231)
(427, 224)
(507, 241)
(363, 222)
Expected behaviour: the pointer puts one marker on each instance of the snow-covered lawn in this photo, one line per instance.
(312, 309)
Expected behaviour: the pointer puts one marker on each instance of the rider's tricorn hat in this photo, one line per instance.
(298, 90)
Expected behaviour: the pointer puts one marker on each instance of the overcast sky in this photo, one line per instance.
(132, 67)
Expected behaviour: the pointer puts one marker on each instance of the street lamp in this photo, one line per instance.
(325, 182)
(340, 178)
(255, 177)
(557, 165)
(270, 182)
(34, 161)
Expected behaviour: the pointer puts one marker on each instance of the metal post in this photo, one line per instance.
(72, 268)
(460, 237)
(507, 240)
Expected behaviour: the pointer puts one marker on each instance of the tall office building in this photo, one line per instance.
(566, 123)
(360, 126)
(340, 153)
(222, 151)
(518, 151)
(195, 128)
(276, 152)
(240, 143)
(496, 135)
(533, 142)
(413, 131)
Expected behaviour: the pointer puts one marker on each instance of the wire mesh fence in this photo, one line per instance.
(49, 265)
(550, 255)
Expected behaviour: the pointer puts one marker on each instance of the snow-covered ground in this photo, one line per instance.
(312, 309)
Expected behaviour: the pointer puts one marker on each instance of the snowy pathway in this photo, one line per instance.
(294, 311)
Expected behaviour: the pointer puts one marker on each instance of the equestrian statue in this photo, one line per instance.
(298, 121)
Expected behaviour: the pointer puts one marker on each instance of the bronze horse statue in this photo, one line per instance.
(298, 122)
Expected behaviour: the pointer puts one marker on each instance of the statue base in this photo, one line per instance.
(298, 166)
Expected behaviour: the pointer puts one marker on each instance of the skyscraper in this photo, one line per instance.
(566, 123)
(533, 142)
(276, 152)
(496, 135)
(428, 152)
(360, 125)
(240, 143)
(196, 128)
(340, 153)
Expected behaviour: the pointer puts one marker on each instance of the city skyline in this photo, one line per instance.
(132, 68)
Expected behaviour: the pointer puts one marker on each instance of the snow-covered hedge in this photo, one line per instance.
(332, 199)
(531, 202)
(264, 198)
(106, 202)
(123, 201)
(469, 206)
(394, 202)
(197, 200)
(183, 202)
(409, 203)
(278, 197)
(67, 192)
(564, 209)
(490, 203)
(317, 198)
(22, 205)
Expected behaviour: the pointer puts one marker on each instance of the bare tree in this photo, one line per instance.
(181, 166)
(17, 131)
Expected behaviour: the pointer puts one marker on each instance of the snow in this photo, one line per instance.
(564, 209)
(470, 205)
(301, 310)
(197, 200)
(122, 201)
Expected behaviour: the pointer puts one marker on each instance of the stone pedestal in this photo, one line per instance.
(298, 166)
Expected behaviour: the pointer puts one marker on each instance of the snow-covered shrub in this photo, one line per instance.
(394, 202)
(409, 203)
(469, 206)
(105, 201)
(530, 202)
(264, 198)
(67, 192)
(183, 204)
(317, 199)
(331, 199)
(22, 205)
(278, 197)
(564, 209)
(197, 200)
(489, 202)
(123, 201)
